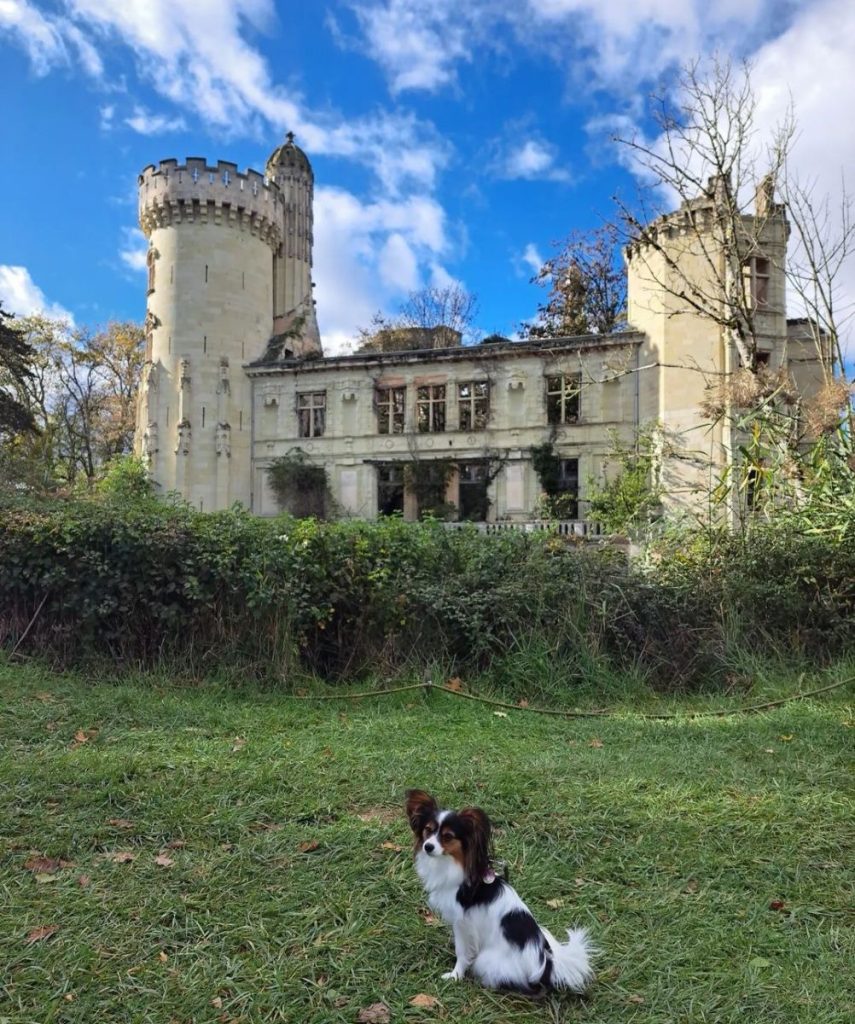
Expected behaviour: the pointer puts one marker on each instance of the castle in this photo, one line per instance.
(235, 375)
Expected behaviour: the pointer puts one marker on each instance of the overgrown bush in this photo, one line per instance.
(145, 583)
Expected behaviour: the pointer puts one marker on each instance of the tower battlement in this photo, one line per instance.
(173, 193)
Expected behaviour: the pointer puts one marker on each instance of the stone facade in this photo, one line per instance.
(235, 376)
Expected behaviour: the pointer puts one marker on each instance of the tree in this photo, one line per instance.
(587, 286)
(442, 314)
(16, 357)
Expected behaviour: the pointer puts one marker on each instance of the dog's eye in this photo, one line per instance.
(429, 830)
(447, 837)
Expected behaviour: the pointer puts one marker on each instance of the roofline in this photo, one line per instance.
(511, 349)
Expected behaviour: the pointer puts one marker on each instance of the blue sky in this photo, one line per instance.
(450, 140)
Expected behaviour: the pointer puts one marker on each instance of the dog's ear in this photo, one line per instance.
(478, 845)
(421, 807)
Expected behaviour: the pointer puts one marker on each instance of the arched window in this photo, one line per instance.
(151, 256)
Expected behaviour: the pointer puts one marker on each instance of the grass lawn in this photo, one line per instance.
(708, 858)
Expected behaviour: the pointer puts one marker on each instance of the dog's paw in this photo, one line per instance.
(452, 975)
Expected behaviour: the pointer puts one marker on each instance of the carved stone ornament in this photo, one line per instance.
(183, 440)
(223, 440)
(224, 387)
(184, 373)
(150, 322)
(149, 441)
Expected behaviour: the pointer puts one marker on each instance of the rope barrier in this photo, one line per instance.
(559, 713)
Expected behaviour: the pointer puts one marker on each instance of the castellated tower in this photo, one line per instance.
(229, 274)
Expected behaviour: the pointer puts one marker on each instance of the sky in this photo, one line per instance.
(451, 140)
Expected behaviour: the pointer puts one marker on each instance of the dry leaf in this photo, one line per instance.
(308, 846)
(175, 844)
(81, 737)
(578, 882)
(424, 1000)
(46, 865)
(786, 739)
(391, 846)
(217, 1003)
(122, 857)
(162, 957)
(41, 878)
(636, 999)
(45, 697)
(376, 1013)
(39, 934)
(429, 918)
(239, 744)
(69, 997)
(163, 861)
(777, 905)
(454, 684)
(523, 703)
(595, 743)
(500, 714)
(555, 904)
(120, 822)
(83, 881)
(691, 885)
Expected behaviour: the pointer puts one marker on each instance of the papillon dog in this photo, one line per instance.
(495, 933)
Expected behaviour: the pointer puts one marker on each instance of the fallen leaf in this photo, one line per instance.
(217, 1003)
(39, 934)
(45, 697)
(162, 957)
(175, 844)
(429, 918)
(595, 743)
(69, 997)
(83, 881)
(239, 744)
(376, 1013)
(523, 703)
(41, 878)
(81, 737)
(578, 882)
(120, 822)
(555, 904)
(163, 861)
(391, 846)
(777, 905)
(121, 857)
(785, 739)
(500, 714)
(308, 846)
(692, 885)
(46, 865)
(636, 999)
(424, 1000)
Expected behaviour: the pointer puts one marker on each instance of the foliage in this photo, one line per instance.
(495, 339)
(15, 371)
(125, 478)
(547, 465)
(630, 499)
(445, 312)
(427, 480)
(146, 583)
(301, 486)
(587, 286)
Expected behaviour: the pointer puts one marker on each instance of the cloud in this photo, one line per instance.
(531, 258)
(22, 296)
(369, 255)
(531, 160)
(40, 37)
(146, 123)
(134, 249)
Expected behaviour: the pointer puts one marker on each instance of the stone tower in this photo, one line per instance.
(229, 277)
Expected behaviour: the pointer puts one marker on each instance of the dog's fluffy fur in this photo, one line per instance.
(495, 934)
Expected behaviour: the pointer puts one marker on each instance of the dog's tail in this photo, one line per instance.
(571, 960)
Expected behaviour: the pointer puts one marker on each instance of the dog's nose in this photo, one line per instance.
(429, 847)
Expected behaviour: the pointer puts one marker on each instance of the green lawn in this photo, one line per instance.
(708, 858)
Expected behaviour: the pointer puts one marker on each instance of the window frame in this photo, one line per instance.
(431, 408)
(563, 404)
(474, 407)
(390, 420)
(310, 414)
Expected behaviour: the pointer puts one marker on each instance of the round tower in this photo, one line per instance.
(295, 325)
(213, 235)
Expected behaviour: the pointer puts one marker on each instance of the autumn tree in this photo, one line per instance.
(586, 279)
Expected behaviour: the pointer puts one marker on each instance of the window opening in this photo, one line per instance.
(472, 500)
(391, 407)
(758, 273)
(430, 408)
(562, 398)
(473, 403)
(311, 413)
(390, 489)
(568, 487)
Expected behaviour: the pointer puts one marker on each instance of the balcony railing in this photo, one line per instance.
(564, 527)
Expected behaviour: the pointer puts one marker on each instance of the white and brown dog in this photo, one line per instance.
(495, 933)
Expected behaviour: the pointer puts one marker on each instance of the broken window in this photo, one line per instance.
(391, 406)
(472, 498)
(473, 402)
(390, 489)
(568, 488)
(562, 398)
(430, 408)
(757, 283)
(312, 413)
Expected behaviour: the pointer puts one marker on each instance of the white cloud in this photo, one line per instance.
(134, 249)
(369, 255)
(21, 295)
(38, 35)
(532, 259)
(107, 113)
(532, 159)
(146, 123)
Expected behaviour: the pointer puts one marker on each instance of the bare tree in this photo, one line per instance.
(446, 312)
(587, 286)
(707, 157)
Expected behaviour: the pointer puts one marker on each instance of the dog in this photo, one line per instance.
(495, 933)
